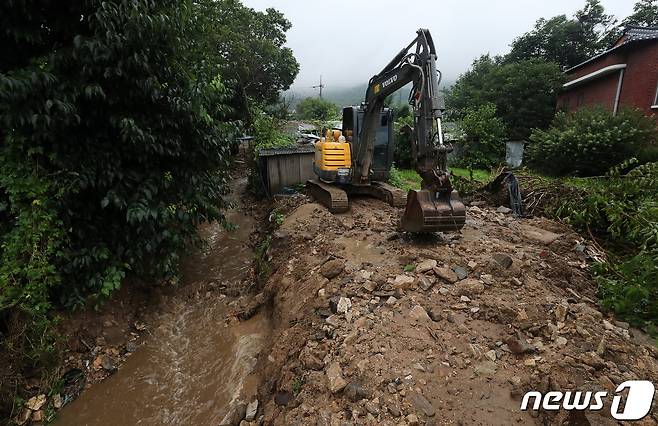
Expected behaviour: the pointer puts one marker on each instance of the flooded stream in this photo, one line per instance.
(192, 365)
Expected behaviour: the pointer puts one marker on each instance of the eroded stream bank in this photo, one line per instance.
(194, 363)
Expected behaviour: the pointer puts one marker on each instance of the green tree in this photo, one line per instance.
(567, 41)
(402, 128)
(486, 135)
(249, 47)
(645, 14)
(116, 121)
(523, 92)
(317, 109)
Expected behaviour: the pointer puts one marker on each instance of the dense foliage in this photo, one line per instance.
(567, 41)
(486, 135)
(623, 208)
(116, 119)
(590, 141)
(248, 47)
(111, 153)
(317, 109)
(645, 14)
(267, 132)
(523, 92)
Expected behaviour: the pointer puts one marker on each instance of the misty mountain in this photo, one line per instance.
(345, 96)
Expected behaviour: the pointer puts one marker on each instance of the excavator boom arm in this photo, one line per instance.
(436, 207)
(408, 66)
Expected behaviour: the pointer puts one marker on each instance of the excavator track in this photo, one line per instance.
(332, 197)
(397, 197)
(383, 191)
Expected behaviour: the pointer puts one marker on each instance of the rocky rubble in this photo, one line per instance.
(503, 307)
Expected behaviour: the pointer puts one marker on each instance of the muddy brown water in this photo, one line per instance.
(193, 365)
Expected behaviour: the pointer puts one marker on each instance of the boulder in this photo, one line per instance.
(539, 235)
(519, 346)
(468, 287)
(502, 260)
(425, 266)
(403, 282)
(422, 404)
(332, 268)
(447, 275)
(460, 271)
(418, 313)
(425, 283)
(252, 410)
(335, 378)
(344, 304)
(355, 392)
(561, 311)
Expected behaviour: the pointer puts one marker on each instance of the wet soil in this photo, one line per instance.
(503, 307)
(365, 325)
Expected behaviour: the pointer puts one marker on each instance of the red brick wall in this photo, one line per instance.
(641, 77)
(638, 87)
(597, 92)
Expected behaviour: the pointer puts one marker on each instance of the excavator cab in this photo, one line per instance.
(382, 160)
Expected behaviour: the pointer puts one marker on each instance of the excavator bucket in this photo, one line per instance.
(427, 212)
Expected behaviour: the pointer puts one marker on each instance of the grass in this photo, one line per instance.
(408, 179)
(405, 178)
(480, 175)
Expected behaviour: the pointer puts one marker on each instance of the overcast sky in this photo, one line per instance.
(347, 41)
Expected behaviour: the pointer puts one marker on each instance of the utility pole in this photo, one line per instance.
(319, 86)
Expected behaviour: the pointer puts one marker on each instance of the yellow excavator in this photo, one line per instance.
(357, 159)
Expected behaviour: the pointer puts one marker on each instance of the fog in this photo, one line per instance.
(348, 41)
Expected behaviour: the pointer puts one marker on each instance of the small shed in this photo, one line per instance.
(286, 167)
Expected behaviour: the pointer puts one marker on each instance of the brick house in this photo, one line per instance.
(625, 74)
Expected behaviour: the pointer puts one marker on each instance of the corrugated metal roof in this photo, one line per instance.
(631, 34)
(300, 149)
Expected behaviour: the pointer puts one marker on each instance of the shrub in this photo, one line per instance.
(485, 138)
(404, 179)
(113, 149)
(623, 209)
(267, 132)
(591, 141)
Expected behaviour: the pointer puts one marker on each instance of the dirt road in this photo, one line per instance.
(477, 319)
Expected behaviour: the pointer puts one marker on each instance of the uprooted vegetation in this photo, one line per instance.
(619, 212)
